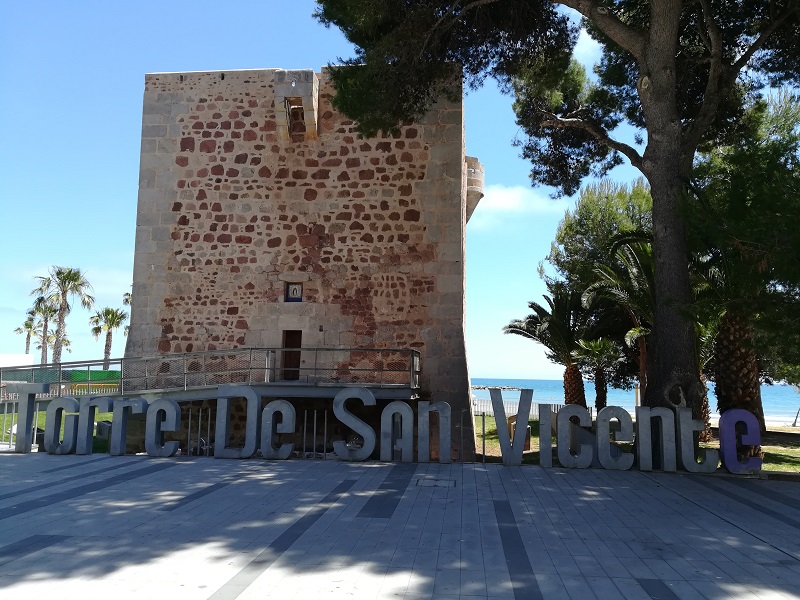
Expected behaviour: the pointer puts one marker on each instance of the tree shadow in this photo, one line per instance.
(202, 525)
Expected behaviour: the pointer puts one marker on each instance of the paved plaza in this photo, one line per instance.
(136, 527)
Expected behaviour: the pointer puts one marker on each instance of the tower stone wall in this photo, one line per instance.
(250, 182)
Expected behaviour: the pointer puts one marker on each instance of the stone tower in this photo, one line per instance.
(265, 220)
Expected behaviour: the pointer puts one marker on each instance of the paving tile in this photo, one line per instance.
(576, 534)
(604, 588)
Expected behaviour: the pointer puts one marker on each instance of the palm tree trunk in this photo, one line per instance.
(642, 365)
(573, 386)
(28, 343)
(704, 414)
(601, 389)
(60, 328)
(736, 372)
(44, 340)
(107, 351)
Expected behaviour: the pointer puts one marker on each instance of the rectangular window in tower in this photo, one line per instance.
(294, 292)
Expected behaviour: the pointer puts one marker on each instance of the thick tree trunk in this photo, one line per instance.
(28, 343)
(673, 375)
(573, 386)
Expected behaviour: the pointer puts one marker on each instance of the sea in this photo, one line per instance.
(781, 402)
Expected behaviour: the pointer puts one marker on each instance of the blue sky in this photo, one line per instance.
(70, 116)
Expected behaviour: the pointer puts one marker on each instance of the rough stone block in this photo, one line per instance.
(154, 131)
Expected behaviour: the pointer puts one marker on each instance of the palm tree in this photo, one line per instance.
(599, 356)
(47, 342)
(45, 310)
(737, 374)
(60, 284)
(107, 320)
(627, 280)
(558, 329)
(743, 216)
(28, 328)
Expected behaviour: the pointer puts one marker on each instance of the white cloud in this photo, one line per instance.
(503, 202)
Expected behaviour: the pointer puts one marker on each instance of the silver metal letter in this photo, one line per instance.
(625, 459)
(545, 435)
(157, 424)
(644, 437)
(270, 426)
(89, 405)
(406, 440)
(424, 409)
(225, 393)
(123, 407)
(582, 457)
(350, 420)
(512, 454)
(690, 451)
(25, 409)
(52, 428)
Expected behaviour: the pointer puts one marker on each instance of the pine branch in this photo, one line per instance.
(630, 39)
(597, 132)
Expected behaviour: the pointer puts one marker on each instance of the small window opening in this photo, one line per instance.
(295, 114)
(294, 292)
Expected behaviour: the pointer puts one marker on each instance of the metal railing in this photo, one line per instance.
(481, 406)
(8, 421)
(314, 366)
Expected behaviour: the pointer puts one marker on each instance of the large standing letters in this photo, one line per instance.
(751, 436)
(119, 429)
(579, 457)
(666, 448)
(270, 426)
(405, 443)
(88, 406)
(625, 434)
(221, 448)
(27, 402)
(52, 427)
(424, 410)
(656, 429)
(350, 420)
(687, 428)
(512, 454)
(162, 415)
(672, 434)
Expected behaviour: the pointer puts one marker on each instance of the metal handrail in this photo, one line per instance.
(382, 367)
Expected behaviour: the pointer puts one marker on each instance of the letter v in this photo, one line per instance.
(512, 454)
